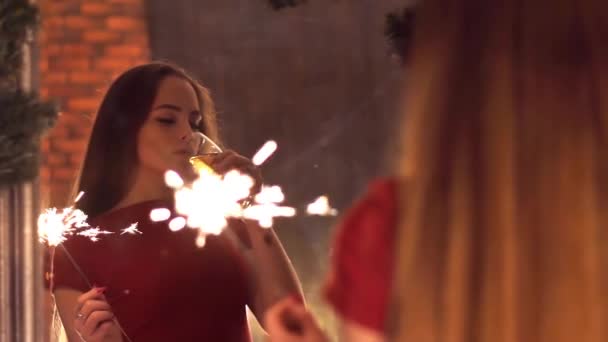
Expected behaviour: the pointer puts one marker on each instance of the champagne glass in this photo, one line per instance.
(204, 149)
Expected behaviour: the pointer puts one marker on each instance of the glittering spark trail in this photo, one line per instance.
(132, 229)
(55, 226)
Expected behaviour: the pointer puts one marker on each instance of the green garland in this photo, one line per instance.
(23, 118)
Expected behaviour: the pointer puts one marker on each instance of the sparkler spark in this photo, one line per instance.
(264, 152)
(132, 229)
(177, 223)
(54, 226)
(321, 207)
(211, 199)
(160, 214)
(93, 233)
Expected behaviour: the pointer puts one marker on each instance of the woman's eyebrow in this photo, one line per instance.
(168, 106)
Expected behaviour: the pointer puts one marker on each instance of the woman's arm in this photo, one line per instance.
(290, 321)
(66, 301)
(272, 274)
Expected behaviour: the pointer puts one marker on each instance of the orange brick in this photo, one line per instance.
(68, 62)
(53, 77)
(55, 34)
(123, 23)
(80, 131)
(63, 173)
(87, 77)
(92, 8)
(138, 39)
(111, 64)
(62, 92)
(59, 192)
(78, 22)
(43, 65)
(45, 173)
(124, 51)
(50, 49)
(69, 145)
(44, 93)
(83, 104)
(76, 159)
(45, 145)
(51, 22)
(77, 120)
(59, 130)
(56, 159)
(99, 36)
(129, 2)
(61, 7)
(76, 49)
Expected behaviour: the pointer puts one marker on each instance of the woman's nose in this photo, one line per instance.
(187, 137)
(186, 133)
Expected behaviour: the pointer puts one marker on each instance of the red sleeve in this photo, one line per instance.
(361, 262)
(60, 268)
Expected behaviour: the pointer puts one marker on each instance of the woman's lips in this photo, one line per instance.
(185, 152)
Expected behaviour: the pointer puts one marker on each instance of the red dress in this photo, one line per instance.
(358, 286)
(160, 285)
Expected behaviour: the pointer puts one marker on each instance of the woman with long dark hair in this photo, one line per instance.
(158, 286)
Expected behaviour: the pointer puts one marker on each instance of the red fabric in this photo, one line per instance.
(160, 285)
(362, 260)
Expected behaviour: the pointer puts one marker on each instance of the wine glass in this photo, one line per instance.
(204, 149)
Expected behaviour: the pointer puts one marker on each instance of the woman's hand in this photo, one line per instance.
(94, 319)
(290, 321)
(230, 160)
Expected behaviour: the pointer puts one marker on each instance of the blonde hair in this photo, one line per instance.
(502, 233)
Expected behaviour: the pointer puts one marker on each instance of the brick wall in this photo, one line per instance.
(84, 44)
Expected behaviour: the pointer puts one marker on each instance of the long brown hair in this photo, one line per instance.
(111, 155)
(503, 227)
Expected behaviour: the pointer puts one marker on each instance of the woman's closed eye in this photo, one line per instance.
(171, 121)
(166, 121)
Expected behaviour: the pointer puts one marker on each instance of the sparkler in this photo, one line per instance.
(54, 228)
(211, 199)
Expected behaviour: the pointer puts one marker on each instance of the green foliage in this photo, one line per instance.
(23, 118)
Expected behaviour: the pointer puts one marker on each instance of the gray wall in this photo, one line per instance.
(317, 78)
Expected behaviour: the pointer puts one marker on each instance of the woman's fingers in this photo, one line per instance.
(107, 328)
(230, 160)
(94, 321)
(94, 293)
(94, 316)
(289, 320)
(93, 305)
